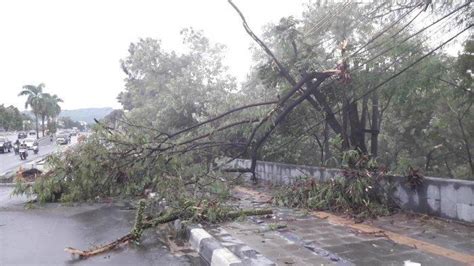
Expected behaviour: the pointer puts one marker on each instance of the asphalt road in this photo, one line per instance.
(10, 162)
(38, 235)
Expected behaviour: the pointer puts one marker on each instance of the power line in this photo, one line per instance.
(416, 33)
(390, 78)
(381, 33)
(412, 64)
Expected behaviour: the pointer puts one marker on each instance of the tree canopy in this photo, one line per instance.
(347, 77)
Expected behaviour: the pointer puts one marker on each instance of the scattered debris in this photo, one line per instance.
(380, 233)
(190, 212)
(414, 177)
(27, 175)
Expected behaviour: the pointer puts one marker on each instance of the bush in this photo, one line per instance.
(359, 192)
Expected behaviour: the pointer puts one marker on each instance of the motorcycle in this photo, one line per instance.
(16, 148)
(23, 151)
(35, 148)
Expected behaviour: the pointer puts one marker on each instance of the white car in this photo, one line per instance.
(32, 134)
(63, 139)
(30, 143)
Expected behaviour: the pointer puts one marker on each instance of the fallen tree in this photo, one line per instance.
(188, 161)
(190, 212)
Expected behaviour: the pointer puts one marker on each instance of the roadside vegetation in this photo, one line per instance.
(361, 191)
(384, 89)
(11, 118)
(44, 106)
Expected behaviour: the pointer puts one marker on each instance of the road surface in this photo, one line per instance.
(10, 162)
(38, 235)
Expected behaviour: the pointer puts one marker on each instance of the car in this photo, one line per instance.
(5, 145)
(68, 132)
(22, 135)
(65, 132)
(74, 131)
(62, 139)
(32, 134)
(30, 143)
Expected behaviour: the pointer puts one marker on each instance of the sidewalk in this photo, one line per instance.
(298, 237)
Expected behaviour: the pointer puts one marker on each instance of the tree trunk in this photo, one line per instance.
(466, 144)
(375, 126)
(37, 126)
(42, 124)
(357, 132)
(346, 142)
(330, 118)
(363, 116)
(327, 151)
(321, 148)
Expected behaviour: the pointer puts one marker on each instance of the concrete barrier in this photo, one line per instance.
(446, 198)
(210, 249)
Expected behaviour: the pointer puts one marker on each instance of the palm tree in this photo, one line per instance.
(34, 94)
(44, 108)
(52, 107)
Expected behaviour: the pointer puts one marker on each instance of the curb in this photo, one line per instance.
(14, 184)
(220, 248)
(28, 164)
(210, 249)
(35, 163)
(248, 255)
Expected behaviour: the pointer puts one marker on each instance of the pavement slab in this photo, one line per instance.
(299, 237)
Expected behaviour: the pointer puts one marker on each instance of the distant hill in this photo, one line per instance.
(86, 114)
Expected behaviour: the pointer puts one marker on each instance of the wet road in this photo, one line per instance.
(38, 236)
(10, 161)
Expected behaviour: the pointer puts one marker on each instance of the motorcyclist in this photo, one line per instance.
(23, 150)
(16, 146)
(35, 147)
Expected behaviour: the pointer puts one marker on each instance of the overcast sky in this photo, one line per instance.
(74, 47)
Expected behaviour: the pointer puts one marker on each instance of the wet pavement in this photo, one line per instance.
(9, 162)
(300, 237)
(38, 235)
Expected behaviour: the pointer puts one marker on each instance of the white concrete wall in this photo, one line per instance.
(447, 198)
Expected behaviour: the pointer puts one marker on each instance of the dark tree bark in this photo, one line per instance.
(42, 123)
(37, 126)
(327, 151)
(357, 132)
(467, 145)
(375, 126)
(321, 148)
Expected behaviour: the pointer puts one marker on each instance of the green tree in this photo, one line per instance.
(171, 91)
(10, 118)
(67, 122)
(50, 110)
(33, 100)
(404, 120)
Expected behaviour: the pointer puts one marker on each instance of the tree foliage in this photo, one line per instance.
(173, 91)
(11, 118)
(347, 76)
(43, 105)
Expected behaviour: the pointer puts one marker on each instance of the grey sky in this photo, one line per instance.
(74, 47)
